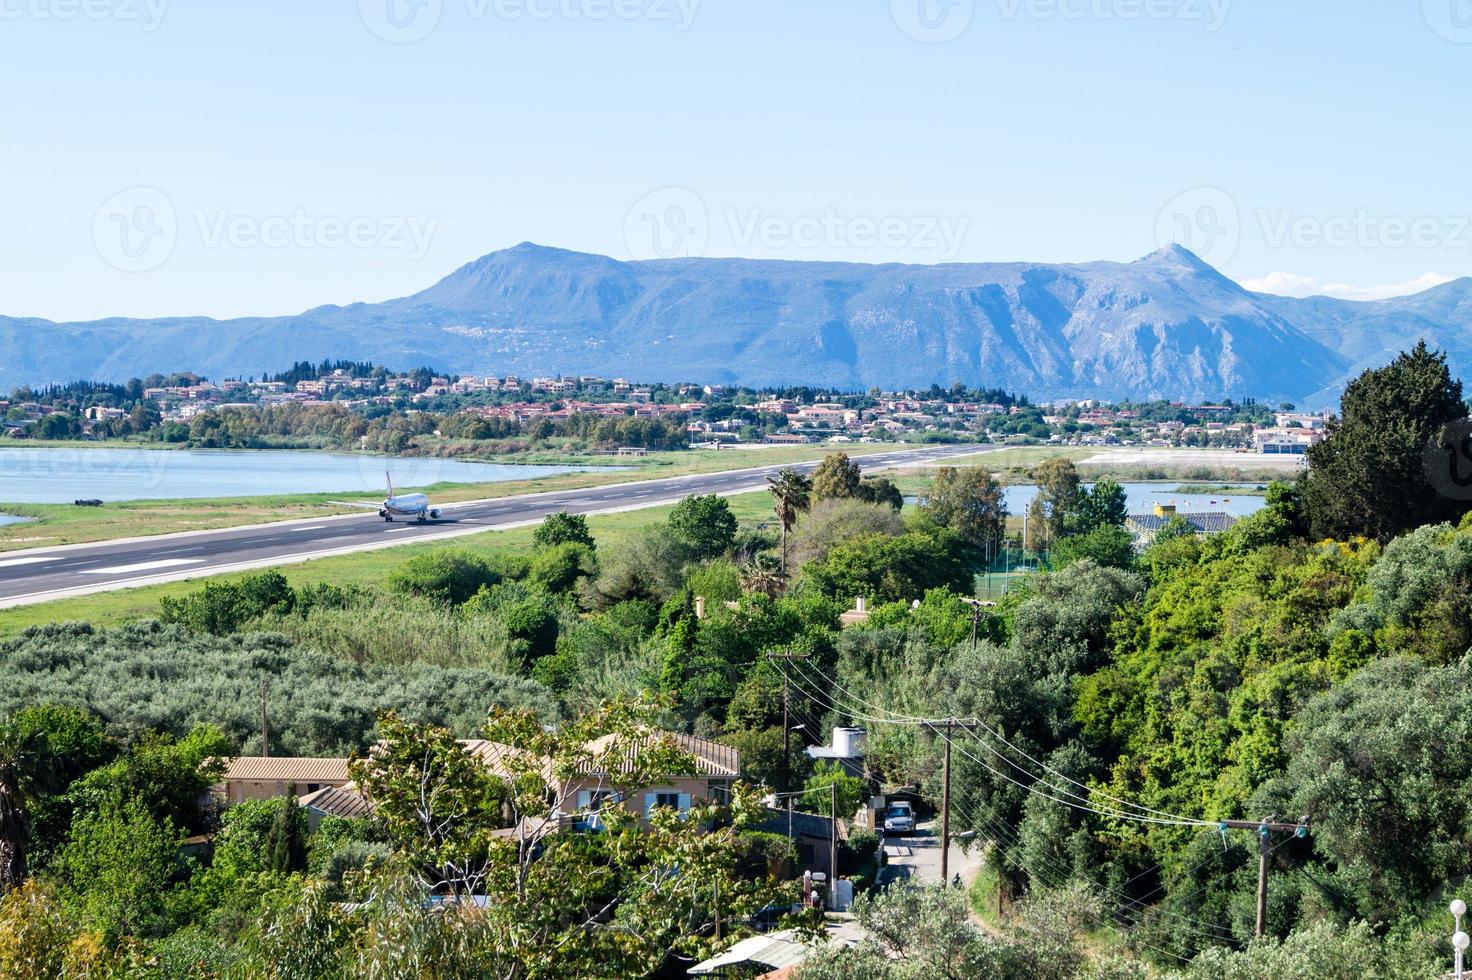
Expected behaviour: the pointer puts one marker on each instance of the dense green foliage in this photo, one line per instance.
(1126, 703)
(146, 676)
(1373, 475)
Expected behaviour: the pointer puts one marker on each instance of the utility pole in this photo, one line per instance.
(950, 725)
(786, 719)
(833, 845)
(1264, 829)
(265, 731)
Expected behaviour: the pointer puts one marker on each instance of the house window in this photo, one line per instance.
(671, 800)
(313, 787)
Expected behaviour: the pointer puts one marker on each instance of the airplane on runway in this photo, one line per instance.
(414, 505)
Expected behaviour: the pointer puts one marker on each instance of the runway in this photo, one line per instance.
(44, 574)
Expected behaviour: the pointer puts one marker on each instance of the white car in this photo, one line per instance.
(899, 818)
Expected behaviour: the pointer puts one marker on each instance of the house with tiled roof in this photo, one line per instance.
(324, 787)
(249, 777)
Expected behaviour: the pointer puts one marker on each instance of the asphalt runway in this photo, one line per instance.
(43, 574)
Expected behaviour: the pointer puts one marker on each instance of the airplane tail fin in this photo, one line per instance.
(389, 477)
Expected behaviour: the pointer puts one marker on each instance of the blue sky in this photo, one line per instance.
(192, 157)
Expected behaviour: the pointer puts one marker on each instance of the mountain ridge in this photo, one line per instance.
(1165, 325)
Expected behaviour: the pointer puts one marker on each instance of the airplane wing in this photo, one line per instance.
(363, 504)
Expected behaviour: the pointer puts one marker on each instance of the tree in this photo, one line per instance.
(792, 493)
(120, 865)
(1105, 544)
(1103, 505)
(558, 567)
(167, 776)
(615, 903)
(562, 528)
(25, 772)
(832, 522)
(818, 797)
(891, 569)
(968, 501)
(881, 490)
(836, 477)
(1384, 764)
(704, 525)
(1386, 466)
(1059, 494)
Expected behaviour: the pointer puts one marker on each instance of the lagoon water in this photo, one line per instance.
(58, 475)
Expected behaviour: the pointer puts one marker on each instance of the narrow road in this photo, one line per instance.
(43, 574)
(916, 857)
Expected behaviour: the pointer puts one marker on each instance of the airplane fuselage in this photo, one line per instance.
(414, 505)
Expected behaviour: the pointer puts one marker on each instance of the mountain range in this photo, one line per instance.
(1167, 325)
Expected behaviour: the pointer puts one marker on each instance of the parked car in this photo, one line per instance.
(899, 818)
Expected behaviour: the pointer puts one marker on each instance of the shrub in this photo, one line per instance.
(225, 607)
(562, 528)
(448, 575)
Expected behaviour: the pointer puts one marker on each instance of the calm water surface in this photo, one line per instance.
(56, 475)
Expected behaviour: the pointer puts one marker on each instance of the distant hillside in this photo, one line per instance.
(1167, 325)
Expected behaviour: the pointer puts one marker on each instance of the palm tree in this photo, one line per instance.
(759, 574)
(24, 773)
(793, 492)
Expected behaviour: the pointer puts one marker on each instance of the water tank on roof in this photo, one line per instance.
(849, 743)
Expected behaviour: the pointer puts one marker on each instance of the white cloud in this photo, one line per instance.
(1291, 284)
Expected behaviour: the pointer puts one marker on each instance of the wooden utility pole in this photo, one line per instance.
(833, 845)
(786, 718)
(950, 725)
(1264, 829)
(715, 901)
